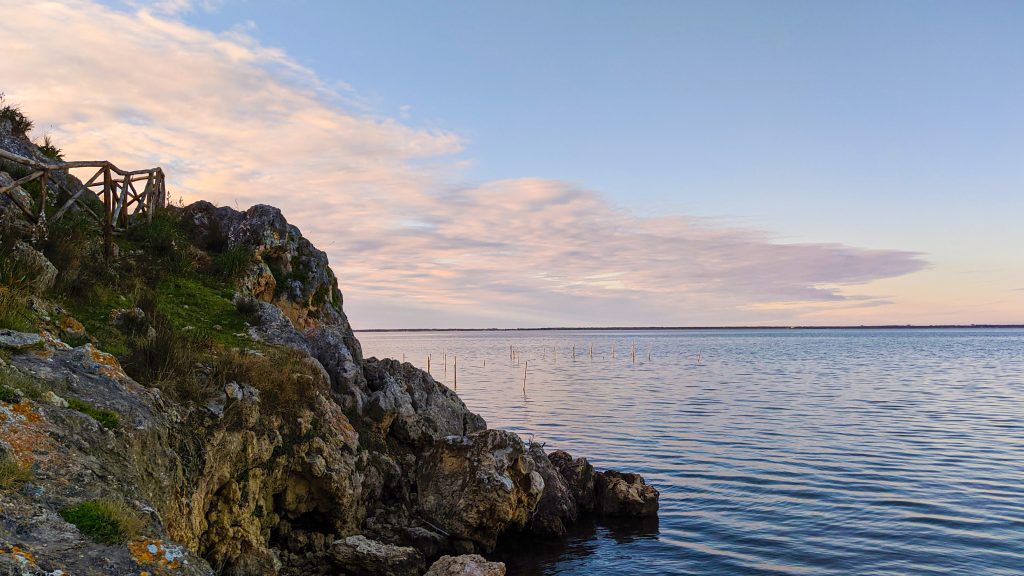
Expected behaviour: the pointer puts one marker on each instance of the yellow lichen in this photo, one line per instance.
(23, 557)
(155, 554)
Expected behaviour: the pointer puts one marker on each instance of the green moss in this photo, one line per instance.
(106, 418)
(104, 521)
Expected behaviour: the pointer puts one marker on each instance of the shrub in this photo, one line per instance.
(233, 262)
(285, 379)
(14, 314)
(106, 418)
(105, 521)
(13, 474)
(74, 245)
(168, 359)
(20, 123)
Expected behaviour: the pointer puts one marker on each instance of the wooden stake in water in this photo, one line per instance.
(456, 373)
(573, 351)
(591, 350)
(699, 356)
(525, 368)
(445, 364)
(613, 350)
(648, 354)
(428, 363)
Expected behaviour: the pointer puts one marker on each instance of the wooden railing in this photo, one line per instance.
(123, 205)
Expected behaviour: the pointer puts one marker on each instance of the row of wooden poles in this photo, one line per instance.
(116, 188)
(515, 356)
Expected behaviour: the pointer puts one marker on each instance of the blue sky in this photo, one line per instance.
(863, 122)
(583, 163)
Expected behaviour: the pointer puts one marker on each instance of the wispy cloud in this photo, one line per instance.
(234, 120)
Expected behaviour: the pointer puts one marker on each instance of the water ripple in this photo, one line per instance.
(862, 452)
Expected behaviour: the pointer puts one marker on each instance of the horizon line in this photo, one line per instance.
(654, 328)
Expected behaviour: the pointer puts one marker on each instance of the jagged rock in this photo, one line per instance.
(476, 487)
(624, 494)
(15, 340)
(466, 565)
(557, 506)
(579, 478)
(360, 555)
(410, 405)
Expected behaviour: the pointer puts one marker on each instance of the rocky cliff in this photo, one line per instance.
(199, 405)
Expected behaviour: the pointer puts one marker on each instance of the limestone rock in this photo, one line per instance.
(14, 340)
(624, 494)
(579, 478)
(360, 555)
(476, 487)
(410, 405)
(40, 274)
(466, 565)
(557, 506)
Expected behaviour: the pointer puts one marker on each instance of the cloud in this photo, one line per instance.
(238, 122)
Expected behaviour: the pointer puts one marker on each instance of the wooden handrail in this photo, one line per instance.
(118, 192)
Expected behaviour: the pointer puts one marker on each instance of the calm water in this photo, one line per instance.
(780, 452)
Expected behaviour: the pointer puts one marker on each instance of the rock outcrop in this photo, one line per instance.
(345, 465)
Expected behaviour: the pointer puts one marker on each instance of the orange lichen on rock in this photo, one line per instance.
(21, 556)
(105, 364)
(21, 430)
(157, 555)
(70, 325)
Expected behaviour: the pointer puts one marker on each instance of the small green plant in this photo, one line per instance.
(106, 418)
(231, 263)
(50, 150)
(20, 124)
(105, 521)
(13, 474)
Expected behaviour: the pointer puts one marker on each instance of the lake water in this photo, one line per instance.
(778, 452)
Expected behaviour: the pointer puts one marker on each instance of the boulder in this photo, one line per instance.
(624, 494)
(14, 340)
(466, 565)
(557, 506)
(360, 555)
(39, 272)
(476, 487)
(579, 478)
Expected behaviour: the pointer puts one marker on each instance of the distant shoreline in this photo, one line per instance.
(663, 328)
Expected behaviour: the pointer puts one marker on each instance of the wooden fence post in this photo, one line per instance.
(108, 212)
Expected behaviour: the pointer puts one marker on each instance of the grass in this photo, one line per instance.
(231, 263)
(107, 418)
(50, 150)
(105, 521)
(12, 474)
(188, 301)
(15, 286)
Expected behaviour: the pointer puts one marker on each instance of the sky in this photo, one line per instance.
(523, 164)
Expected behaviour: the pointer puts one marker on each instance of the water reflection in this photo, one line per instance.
(533, 556)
